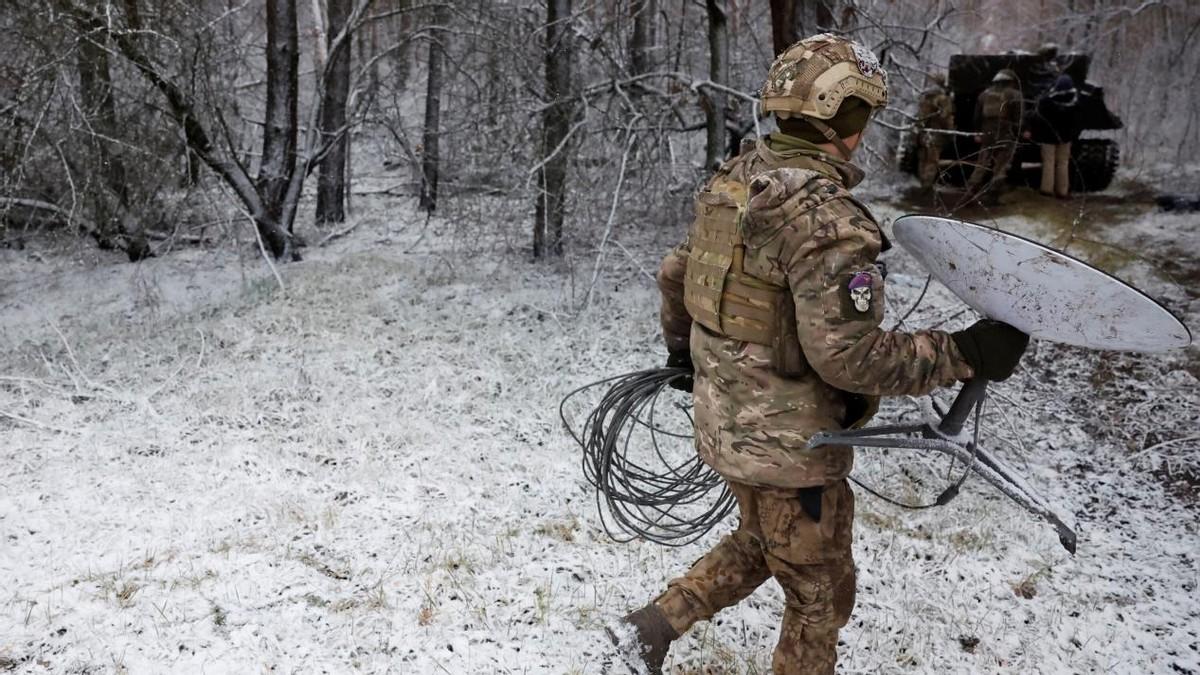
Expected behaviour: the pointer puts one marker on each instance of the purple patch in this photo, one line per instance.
(860, 280)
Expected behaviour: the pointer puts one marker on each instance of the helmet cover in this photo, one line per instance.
(814, 76)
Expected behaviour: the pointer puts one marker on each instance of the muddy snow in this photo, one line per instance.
(359, 466)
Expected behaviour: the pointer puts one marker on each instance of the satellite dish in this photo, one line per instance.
(1043, 292)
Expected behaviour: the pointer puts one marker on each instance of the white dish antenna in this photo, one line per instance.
(1043, 292)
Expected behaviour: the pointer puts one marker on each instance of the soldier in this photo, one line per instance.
(998, 114)
(1046, 69)
(935, 110)
(777, 300)
(1054, 126)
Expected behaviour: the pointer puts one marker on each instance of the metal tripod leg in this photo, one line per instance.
(945, 439)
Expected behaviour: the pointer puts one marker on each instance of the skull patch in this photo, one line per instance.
(860, 291)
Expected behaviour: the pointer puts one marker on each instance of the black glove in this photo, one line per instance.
(993, 348)
(681, 359)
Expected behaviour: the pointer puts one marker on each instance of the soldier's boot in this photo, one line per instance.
(644, 637)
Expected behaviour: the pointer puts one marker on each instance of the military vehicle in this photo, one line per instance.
(1093, 160)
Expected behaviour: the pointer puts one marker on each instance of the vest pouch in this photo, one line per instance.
(713, 236)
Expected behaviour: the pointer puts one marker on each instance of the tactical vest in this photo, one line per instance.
(721, 296)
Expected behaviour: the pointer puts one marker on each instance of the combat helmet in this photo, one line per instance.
(812, 78)
(1005, 75)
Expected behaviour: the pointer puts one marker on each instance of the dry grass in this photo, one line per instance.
(366, 471)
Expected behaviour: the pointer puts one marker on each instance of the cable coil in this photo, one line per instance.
(664, 501)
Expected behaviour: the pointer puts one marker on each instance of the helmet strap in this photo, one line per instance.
(831, 136)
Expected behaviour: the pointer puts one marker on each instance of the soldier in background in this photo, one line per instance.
(776, 300)
(1054, 126)
(1043, 73)
(998, 114)
(935, 111)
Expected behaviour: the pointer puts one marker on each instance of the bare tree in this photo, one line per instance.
(556, 130)
(433, 115)
(402, 52)
(331, 171)
(793, 20)
(641, 41)
(270, 198)
(92, 108)
(718, 72)
(280, 131)
(116, 227)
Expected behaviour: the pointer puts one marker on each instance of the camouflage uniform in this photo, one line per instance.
(755, 409)
(998, 113)
(935, 110)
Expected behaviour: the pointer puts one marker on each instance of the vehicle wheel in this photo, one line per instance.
(1093, 164)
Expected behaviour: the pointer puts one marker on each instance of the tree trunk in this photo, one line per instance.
(718, 72)
(641, 42)
(279, 133)
(182, 110)
(368, 48)
(556, 127)
(191, 167)
(825, 18)
(794, 20)
(433, 114)
(117, 228)
(402, 57)
(783, 25)
(331, 172)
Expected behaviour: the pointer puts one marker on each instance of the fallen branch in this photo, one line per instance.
(69, 218)
(35, 423)
(338, 234)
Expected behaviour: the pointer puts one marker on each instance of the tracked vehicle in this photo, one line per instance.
(1093, 160)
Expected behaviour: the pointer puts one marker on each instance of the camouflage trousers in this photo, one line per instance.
(991, 173)
(928, 153)
(811, 561)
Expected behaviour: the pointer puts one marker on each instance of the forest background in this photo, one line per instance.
(152, 125)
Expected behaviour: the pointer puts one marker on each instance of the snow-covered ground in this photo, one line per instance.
(203, 472)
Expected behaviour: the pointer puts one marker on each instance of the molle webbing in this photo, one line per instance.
(717, 292)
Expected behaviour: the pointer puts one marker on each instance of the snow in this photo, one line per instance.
(202, 472)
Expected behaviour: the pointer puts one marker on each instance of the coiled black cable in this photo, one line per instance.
(650, 496)
(664, 501)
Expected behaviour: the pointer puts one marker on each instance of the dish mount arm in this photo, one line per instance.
(947, 438)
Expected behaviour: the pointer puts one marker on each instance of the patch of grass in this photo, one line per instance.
(344, 605)
(324, 568)
(562, 530)
(124, 594)
(456, 560)
(377, 598)
(971, 540)
(219, 617)
(426, 614)
(1027, 587)
(541, 601)
(719, 658)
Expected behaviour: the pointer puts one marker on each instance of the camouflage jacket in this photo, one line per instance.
(999, 111)
(802, 230)
(935, 110)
